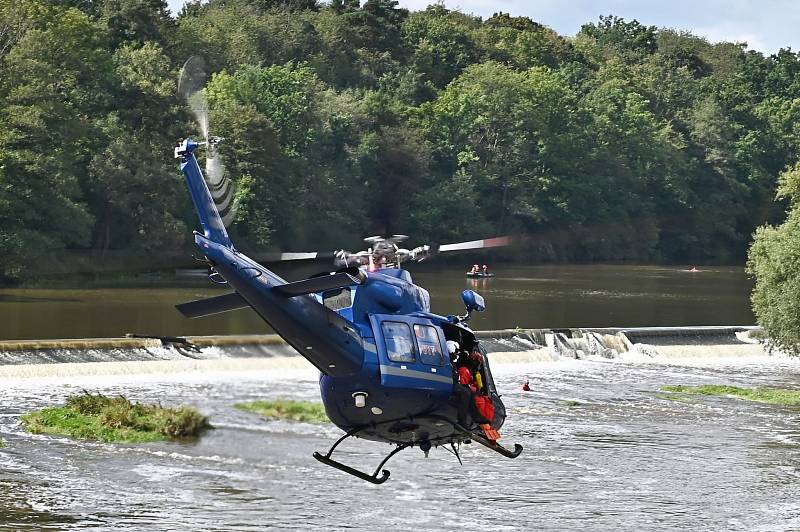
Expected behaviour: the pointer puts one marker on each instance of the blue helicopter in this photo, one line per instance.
(388, 366)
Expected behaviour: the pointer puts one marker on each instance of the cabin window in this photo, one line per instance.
(430, 348)
(399, 344)
(337, 299)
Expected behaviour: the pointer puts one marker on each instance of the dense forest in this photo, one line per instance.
(341, 120)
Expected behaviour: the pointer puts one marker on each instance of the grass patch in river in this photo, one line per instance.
(572, 403)
(115, 419)
(2, 443)
(306, 411)
(775, 396)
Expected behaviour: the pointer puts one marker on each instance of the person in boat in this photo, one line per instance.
(526, 387)
(485, 270)
(475, 269)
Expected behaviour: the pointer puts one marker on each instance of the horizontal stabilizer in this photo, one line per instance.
(347, 277)
(212, 305)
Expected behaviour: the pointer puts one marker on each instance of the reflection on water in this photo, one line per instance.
(528, 297)
(603, 451)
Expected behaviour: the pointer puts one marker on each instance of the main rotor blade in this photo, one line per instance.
(279, 256)
(496, 242)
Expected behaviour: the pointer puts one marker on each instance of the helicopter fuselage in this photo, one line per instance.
(382, 355)
(385, 371)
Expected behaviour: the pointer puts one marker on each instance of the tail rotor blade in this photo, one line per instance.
(191, 85)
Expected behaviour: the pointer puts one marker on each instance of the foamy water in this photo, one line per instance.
(604, 450)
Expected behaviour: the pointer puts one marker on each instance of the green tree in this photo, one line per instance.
(288, 133)
(508, 132)
(53, 79)
(774, 261)
(629, 40)
(442, 45)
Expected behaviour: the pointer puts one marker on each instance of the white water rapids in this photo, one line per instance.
(604, 450)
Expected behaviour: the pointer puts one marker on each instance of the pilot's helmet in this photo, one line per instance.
(452, 347)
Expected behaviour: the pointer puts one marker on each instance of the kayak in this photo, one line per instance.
(479, 275)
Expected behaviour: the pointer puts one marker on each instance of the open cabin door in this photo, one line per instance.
(412, 353)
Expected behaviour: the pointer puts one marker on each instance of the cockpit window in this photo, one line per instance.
(430, 348)
(399, 344)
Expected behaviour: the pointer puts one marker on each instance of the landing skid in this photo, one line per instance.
(496, 447)
(374, 478)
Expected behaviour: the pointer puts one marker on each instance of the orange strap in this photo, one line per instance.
(490, 433)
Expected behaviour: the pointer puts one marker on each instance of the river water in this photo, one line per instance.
(527, 297)
(604, 450)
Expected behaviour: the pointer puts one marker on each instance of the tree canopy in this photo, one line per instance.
(349, 118)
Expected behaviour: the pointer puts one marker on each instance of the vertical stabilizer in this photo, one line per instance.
(213, 228)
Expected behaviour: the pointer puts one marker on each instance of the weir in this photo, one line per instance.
(153, 355)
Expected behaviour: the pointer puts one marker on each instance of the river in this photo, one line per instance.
(603, 450)
(528, 297)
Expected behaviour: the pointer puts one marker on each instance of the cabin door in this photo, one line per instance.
(412, 353)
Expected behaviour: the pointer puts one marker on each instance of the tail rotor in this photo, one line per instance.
(191, 85)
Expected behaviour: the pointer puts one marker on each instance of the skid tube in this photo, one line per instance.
(374, 478)
(496, 447)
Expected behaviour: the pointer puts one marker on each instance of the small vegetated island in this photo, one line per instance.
(775, 396)
(116, 419)
(304, 411)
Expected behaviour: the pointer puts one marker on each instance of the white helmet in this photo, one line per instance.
(452, 347)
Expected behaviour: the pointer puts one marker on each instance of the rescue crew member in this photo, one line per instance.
(462, 378)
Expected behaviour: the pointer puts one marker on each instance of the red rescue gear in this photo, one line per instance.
(484, 406)
(491, 434)
(464, 375)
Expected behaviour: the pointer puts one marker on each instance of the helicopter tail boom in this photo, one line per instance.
(210, 220)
